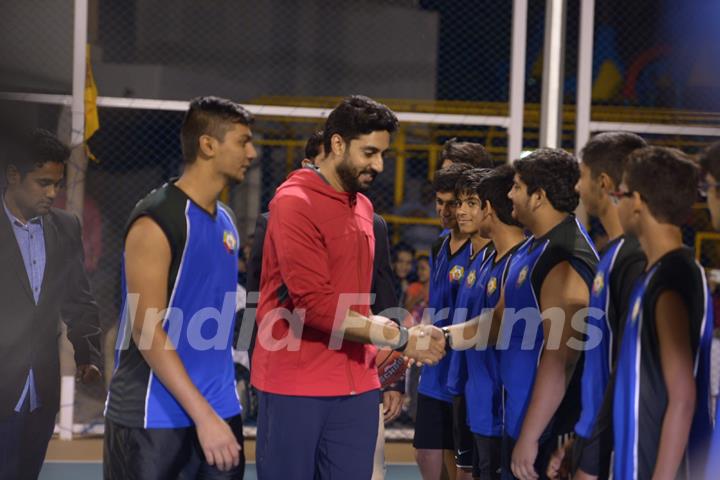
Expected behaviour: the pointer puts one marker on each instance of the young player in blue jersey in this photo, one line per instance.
(621, 263)
(433, 440)
(661, 413)
(710, 189)
(468, 207)
(172, 405)
(484, 200)
(539, 325)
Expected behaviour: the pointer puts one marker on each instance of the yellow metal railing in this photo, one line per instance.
(701, 237)
(400, 220)
(422, 143)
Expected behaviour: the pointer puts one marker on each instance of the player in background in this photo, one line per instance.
(710, 189)
(661, 414)
(467, 218)
(433, 441)
(484, 199)
(538, 325)
(621, 263)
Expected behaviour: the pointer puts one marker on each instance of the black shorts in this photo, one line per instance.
(486, 457)
(433, 424)
(591, 457)
(462, 436)
(162, 453)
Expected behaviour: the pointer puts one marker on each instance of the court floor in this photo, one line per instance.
(62, 470)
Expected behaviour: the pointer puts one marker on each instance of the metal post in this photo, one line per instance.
(78, 160)
(75, 196)
(517, 78)
(584, 84)
(553, 75)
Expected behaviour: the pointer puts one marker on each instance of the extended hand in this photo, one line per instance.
(426, 345)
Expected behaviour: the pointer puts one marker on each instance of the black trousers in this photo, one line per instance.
(24, 439)
(162, 454)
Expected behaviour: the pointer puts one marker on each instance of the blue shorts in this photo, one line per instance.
(316, 437)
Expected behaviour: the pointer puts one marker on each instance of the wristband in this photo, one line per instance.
(402, 343)
(448, 339)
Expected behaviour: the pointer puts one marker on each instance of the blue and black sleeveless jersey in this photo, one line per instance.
(521, 337)
(621, 263)
(457, 371)
(447, 271)
(202, 283)
(641, 396)
(483, 389)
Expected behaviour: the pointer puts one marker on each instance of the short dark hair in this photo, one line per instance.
(494, 188)
(470, 153)
(666, 179)
(209, 116)
(607, 153)
(446, 179)
(469, 181)
(423, 257)
(31, 150)
(710, 160)
(554, 171)
(402, 247)
(312, 147)
(358, 115)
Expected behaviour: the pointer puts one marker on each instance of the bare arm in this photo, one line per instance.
(671, 318)
(425, 343)
(482, 330)
(564, 288)
(147, 263)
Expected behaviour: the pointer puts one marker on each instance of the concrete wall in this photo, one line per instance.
(36, 44)
(176, 49)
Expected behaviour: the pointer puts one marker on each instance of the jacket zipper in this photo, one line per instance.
(351, 381)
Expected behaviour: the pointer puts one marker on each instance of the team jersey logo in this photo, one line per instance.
(522, 276)
(598, 284)
(492, 285)
(229, 241)
(636, 309)
(471, 277)
(456, 273)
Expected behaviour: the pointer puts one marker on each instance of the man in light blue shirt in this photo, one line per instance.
(30, 239)
(41, 280)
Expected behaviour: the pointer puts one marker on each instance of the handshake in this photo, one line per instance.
(423, 344)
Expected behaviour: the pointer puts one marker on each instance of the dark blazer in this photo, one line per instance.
(28, 332)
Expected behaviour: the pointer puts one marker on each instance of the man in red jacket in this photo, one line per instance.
(313, 363)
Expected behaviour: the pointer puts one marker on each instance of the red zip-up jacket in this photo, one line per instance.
(319, 245)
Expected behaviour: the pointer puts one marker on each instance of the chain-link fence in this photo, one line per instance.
(418, 56)
(657, 54)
